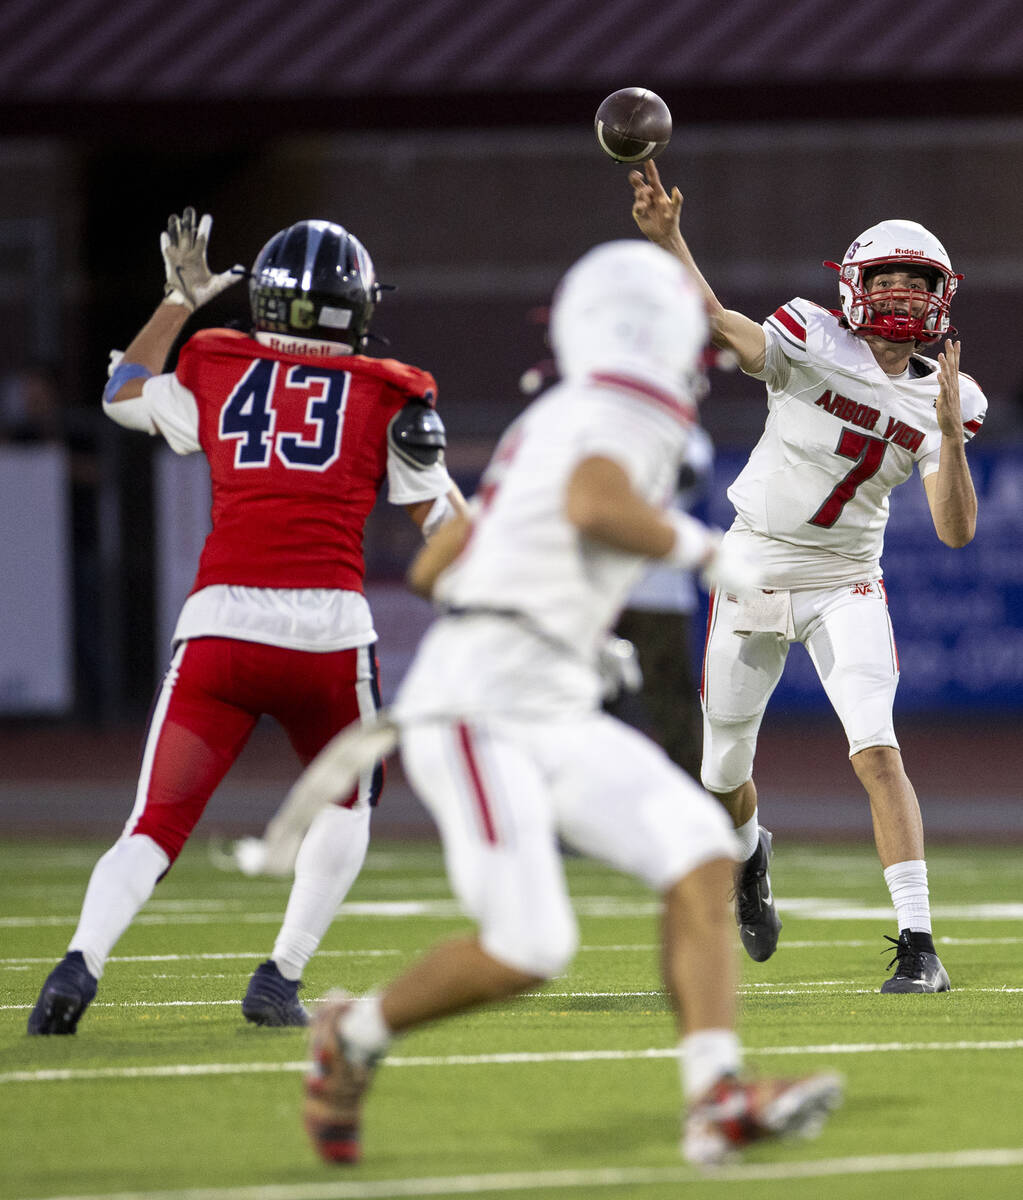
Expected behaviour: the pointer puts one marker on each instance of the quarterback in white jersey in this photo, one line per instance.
(840, 434)
(500, 731)
(852, 407)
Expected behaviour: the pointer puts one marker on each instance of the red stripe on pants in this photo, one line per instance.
(479, 792)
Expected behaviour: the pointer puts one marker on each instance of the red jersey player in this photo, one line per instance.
(300, 432)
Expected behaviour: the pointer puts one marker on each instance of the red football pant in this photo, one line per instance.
(214, 692)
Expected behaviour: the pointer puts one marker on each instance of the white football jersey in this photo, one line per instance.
(840, 434)
(524, 557)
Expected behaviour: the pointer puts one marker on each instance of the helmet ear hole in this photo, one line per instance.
(314, 280)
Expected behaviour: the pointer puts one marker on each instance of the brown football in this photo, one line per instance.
(632, 125)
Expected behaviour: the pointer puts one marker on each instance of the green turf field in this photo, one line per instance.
(165, 1092)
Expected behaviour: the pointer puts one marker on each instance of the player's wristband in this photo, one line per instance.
(694, 542)
(120, 375)
(440, 511)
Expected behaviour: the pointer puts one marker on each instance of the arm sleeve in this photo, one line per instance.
(409, 485)
(787, 331)
(131, 414)
(166, 407)
(777, 364)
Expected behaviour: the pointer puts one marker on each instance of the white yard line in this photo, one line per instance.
(596, 1177)
(810, 988)
(814, 908)
(210, 957)
(511, 1058)
(629, 948)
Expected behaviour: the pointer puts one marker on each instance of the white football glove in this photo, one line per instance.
(618, 668)
(190, 282)
(733, 568)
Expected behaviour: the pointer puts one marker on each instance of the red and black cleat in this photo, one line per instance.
(334, 1088)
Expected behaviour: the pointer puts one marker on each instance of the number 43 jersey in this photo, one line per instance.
(297, 446)
(840, 434)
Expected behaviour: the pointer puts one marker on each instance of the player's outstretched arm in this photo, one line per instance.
(950, 492)
(657, 215)
(601, 503)
(189, 284)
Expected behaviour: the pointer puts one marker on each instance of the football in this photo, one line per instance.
(632, 125)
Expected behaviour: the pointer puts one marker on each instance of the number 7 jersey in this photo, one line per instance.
(840, 434)
(297, 447)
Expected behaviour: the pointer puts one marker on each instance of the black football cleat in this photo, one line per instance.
(273, 1000)
(755, 914)
(917, 966)
(68, 991)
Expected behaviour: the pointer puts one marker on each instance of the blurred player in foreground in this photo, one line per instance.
(655, 690)
(300, 431)
(852, 408)
(500, 730)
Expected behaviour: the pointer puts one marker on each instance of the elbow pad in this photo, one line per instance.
(131, 414)
(416, 434)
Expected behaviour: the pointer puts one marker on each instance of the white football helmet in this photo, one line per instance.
(897, 242)
(630, 308)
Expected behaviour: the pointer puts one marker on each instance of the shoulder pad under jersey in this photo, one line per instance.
(801, 325)
(974, 404)
(414, 382)
(416, 434)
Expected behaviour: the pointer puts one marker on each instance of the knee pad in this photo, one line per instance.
(865, 710)
(884, 736)
(728, 750)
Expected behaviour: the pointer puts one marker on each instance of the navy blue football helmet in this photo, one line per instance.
(314, 280)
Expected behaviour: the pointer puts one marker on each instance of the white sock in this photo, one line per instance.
(364, 1029)
(121, 882)
(704, 1057)
(328, 863)
(748, 834)
(907, 882)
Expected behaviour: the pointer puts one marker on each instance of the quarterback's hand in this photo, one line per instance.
(732, 568)
(654, 211)
(190, 282)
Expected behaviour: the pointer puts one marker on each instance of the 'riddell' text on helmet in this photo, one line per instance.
(314, 280)
(902, 245)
